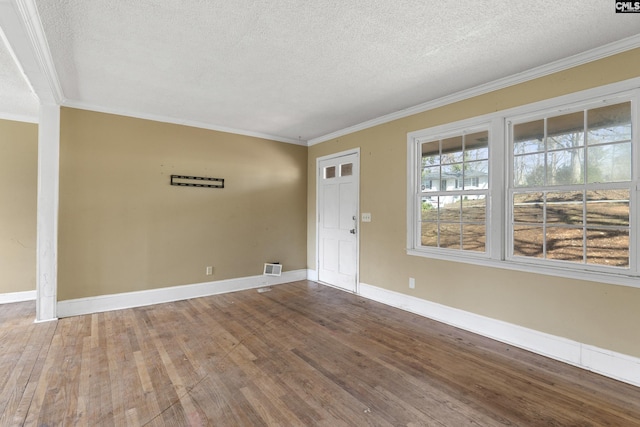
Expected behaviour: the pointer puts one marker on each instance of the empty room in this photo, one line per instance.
(289, 213)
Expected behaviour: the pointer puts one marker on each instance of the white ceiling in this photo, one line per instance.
(294, 70)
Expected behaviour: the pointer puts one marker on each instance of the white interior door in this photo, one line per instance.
(338, 193)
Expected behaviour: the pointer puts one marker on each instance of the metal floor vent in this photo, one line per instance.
(272, 269)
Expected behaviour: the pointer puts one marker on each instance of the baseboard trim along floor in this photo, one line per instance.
(602, 361)
(76, 307)
(605, 362)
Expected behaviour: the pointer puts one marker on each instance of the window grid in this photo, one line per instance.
(620, 253)
(598, 143)
(449, 198)
(584, 225)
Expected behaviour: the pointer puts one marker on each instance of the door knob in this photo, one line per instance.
(352, 231)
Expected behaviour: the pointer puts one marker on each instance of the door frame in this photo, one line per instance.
(349, 152)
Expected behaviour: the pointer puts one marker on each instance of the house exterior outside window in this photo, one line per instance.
(452, 200)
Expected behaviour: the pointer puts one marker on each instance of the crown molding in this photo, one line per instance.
(176, 121)
(49, 91)
(525, 76)
(19, 117)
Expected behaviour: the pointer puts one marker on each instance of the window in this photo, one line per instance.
(452, 198)
(329, 172)
(571, 187)
(346, 169)
(549, 188)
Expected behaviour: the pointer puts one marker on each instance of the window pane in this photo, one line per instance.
(585, 152)
(528, 207)
(452, 150)
(608, 247)
(431, 153)
(429, 234)
(450, 235)
(473, 237)
(609, 124)
(450, 208)
(609, 163)
(565, 207)
(566, 131)
(474, 209)
(329, 172)
(430, 208)
(451, 173)
(431, 179)
(528, 137)
(565, 244)
(346, 169)
(528, 241)
(608, 207)
(476, 146)
(528, 171)
(565, 167)
(476, 174)
(448, 169)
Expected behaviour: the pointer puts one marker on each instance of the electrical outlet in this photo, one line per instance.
(412, 283)
(209, 271)
(366, 217)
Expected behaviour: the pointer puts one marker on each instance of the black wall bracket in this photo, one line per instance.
(197, 181)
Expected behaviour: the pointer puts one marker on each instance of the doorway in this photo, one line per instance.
(338, 192)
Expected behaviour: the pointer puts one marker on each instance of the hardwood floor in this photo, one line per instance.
(301, 354)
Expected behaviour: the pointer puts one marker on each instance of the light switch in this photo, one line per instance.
(366, 217)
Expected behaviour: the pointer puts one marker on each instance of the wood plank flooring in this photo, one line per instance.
(302, 354)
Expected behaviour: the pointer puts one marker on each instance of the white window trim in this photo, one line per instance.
(498, 209)
(414, 140)
(631, 96)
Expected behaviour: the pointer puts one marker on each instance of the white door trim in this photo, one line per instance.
(357, 177)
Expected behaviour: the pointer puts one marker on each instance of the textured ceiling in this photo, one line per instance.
(298, 70)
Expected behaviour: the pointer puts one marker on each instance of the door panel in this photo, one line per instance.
(347, 205)
(331, 206)
(346, 259)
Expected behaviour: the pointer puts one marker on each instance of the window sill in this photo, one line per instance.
(622, 278)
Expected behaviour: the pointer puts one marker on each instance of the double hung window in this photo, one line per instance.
(550, 188)
(451, 201)
(571, 184)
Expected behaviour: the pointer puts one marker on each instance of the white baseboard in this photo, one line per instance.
(605, 362)
(17, 297)
(76, 307)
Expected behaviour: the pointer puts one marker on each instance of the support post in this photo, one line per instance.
(47, 215)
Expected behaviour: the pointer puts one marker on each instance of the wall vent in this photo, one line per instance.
(272, 269)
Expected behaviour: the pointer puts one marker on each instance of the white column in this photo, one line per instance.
(48, 180)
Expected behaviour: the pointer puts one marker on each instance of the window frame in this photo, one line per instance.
(414, 166)
(499, 213)
(512, 189)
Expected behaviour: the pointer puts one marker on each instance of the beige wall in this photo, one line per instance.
(18, 193)
(124, 228)
(603, 315)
